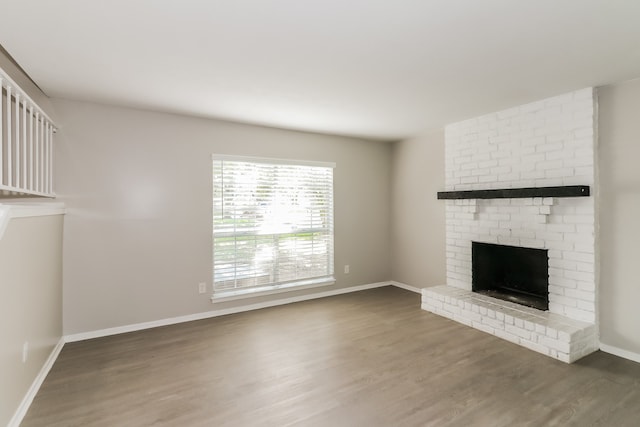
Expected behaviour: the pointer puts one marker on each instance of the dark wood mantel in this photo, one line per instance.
(518, 193)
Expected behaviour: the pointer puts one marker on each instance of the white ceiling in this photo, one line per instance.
(382, 69)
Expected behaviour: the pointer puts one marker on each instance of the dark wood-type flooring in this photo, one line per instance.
(369, 358)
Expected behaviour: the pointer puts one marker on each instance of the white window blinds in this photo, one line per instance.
(272, 224)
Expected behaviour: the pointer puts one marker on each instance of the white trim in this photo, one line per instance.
(26, 210)
(275, 289)
(35, 386)
(406, 287)
(19, 191)
(215, 313)
(616, 351)
(4, 218)
(269, 160)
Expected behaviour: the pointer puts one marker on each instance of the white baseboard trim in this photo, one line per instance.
(407, 287)
(215, 313)
(626, 354)
(35, 386)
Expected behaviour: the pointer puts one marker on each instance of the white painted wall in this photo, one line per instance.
(31, 303)
(137, 186)
(619, 154)
(417, 217)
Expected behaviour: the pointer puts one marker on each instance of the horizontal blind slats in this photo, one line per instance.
(273, 223)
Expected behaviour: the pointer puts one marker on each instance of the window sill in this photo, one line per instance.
(270, 290)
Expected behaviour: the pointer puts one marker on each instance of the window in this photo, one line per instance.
(272, 225)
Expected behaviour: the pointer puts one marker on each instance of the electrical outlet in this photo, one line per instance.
(202, 287)
(346, 269)
(25, 351)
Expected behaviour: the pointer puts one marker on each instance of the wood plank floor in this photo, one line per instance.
(370, 358)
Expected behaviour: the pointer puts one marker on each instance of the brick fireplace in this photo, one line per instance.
(542, 144)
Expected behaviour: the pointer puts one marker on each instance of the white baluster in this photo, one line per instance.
(50, 159)
(24, 145)
(36, 187)
(42, 148)
(17, 140)
(46, 158)
(31, 165)
(9, 140)
(1, 138)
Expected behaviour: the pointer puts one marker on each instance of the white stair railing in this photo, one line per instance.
(26, 143)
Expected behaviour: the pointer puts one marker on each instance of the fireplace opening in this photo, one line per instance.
(511, 273)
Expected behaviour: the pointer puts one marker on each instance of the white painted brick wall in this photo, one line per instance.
(545, 143)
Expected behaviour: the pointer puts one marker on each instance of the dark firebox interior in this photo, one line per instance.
(511, 273)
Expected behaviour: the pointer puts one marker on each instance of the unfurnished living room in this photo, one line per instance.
(319, 213)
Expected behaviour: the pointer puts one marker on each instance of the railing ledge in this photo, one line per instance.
(26, 210)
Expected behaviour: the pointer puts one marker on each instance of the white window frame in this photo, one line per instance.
(271, 288)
